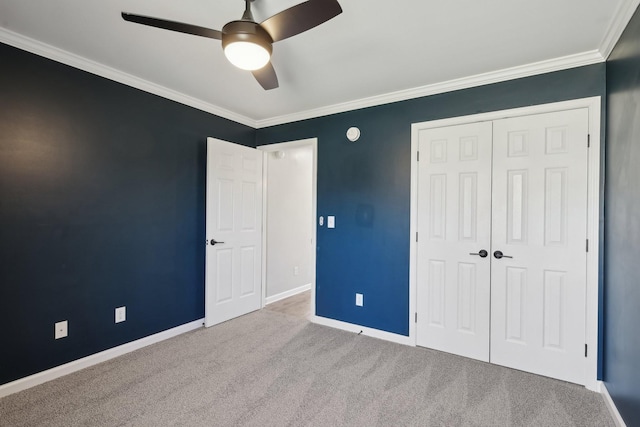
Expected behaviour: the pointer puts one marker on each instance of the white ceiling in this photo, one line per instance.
(374, 52)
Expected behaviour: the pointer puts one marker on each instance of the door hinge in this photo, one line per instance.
(588, 140)
(587, 245)
(418, 158)
(585, 350)
(416, 317)
(416, 236)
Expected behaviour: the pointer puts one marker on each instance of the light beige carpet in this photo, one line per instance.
(270, 369)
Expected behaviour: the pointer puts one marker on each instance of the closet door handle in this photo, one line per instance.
(499, 254)
(482, 253)
(214, 242)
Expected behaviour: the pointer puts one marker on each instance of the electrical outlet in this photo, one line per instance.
(296, 270)
(61, 329)
(331, 221)
(121, 314)
(359, 300)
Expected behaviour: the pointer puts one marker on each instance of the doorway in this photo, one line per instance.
(481, 194)
(289, 211)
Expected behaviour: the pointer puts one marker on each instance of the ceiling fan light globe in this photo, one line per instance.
(247, 55)
(246, 44)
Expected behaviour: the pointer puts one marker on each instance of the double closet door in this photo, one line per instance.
(502, 226)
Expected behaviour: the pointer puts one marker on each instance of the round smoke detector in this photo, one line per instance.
(353, 134)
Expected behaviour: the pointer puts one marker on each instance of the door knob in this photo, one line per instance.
(499, 254)
(214, 242)
(482, 253)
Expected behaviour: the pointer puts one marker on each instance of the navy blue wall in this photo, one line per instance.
(367, 186)
(622, 226)
(101, 205)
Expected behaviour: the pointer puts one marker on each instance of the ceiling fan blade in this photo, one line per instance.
(300, 18)
(172, 25)
(266, 76)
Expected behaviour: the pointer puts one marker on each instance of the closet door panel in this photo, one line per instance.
(538, 286)
(454, 222)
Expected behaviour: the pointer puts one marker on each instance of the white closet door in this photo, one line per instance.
(454, 221)
(538, 289)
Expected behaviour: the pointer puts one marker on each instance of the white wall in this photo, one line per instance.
(289, 221)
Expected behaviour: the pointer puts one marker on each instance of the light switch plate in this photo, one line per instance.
(359, 300)
(331, 222)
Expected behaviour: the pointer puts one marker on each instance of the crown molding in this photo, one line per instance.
(557, 64)
(42, 49)
(621, 19)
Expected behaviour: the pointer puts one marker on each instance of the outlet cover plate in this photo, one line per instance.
(61, 329)
(121, 314)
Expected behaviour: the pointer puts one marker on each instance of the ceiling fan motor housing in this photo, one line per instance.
(246, 31)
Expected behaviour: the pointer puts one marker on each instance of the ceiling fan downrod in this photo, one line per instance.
(247, 15)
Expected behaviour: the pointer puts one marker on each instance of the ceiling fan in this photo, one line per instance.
(246, 43)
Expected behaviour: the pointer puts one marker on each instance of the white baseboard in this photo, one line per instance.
(370, 332)
(611, 406)
(287, 294)
(94, 359)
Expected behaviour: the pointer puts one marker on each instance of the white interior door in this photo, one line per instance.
(454, 223)
(540, 223)
(234, 231)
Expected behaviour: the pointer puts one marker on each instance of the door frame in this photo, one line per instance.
(270, 148)
(593, 104)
